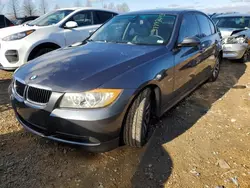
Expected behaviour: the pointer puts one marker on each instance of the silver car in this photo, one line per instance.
(235, 32)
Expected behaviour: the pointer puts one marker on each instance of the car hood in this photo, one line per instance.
(85, 67)
(15, 29)
(227, 32)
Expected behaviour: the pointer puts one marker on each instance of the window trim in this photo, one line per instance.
(215, 30)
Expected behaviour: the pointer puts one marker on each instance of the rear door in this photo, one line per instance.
(84, 19)
(209, 40)
(186, 58)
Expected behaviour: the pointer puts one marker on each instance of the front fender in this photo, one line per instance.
(40, 42)
(157, 73)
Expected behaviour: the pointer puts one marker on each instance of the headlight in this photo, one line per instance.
(236, 40)
(18, 36)
(91, 99)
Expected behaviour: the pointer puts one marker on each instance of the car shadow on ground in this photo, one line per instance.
(29, 161)
(178, 120)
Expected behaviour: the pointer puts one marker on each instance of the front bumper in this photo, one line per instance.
(97, 130)
(234, 51)
(20, 46)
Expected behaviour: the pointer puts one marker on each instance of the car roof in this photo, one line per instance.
(87, 8)
(233, 15)
(162, 11)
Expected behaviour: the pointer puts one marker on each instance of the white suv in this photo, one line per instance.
(51, 31)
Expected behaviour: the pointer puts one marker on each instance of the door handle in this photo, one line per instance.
(202, 48)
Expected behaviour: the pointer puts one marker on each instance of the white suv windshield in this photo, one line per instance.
(51, 18)
(150, 29)
(233, 22)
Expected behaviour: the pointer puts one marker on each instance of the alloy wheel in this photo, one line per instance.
(146, 119)
(216, 68)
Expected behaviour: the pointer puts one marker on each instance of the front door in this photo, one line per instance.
(84, 19)
(186, 58)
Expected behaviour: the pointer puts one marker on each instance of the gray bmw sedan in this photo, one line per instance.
(104, 91)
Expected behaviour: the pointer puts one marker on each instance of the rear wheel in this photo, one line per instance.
(216, 70)
(137, 122)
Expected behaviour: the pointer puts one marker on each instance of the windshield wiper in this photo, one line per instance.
(105, 41)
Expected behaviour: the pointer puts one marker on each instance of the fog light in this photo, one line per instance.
(12, 56)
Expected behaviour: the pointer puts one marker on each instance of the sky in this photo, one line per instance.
(208, 6)
(205, 5)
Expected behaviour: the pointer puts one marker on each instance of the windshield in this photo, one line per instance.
(153, 29)
(233, 22)
(51, 18)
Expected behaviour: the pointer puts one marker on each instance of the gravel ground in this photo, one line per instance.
(203, 142)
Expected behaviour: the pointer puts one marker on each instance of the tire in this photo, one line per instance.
(216, 70)
(137, 121)
(245, 57)
(42, 51)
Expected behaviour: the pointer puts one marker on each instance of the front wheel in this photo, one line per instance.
(216, 70)
(137, 121)
(245, 57)
(43, 51)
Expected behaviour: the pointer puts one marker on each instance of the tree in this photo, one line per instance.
(105, 6)
(2, 5)
(88, 3)
(122, 7)
(111, 6)
(29, 8)
(78, 3)
(119, 7)
(57, 7)
(125, 7)
(14, 8)
(44, 6)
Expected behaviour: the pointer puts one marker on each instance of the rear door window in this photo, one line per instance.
(189, 27)
(101, 17)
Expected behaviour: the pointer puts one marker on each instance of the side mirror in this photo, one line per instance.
(71, 25)
(190, 42)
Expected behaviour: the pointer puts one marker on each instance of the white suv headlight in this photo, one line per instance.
(97, 98)
(18, 36)
(236, 40)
